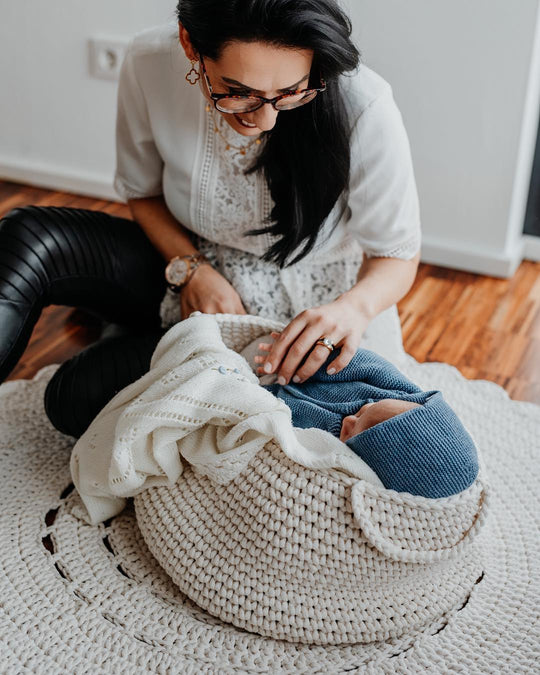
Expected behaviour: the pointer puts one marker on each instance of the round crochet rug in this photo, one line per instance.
(82, 599)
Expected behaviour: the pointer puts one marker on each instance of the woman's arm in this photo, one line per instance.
(207, 290)
(382, 282)
(167, 235)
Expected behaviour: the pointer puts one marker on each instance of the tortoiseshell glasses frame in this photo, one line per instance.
(309, 95)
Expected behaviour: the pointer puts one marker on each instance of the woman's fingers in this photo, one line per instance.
(210, 292)
(303, 344)
(283, 342)
(340, 321)
(312, 364)
(348, 350)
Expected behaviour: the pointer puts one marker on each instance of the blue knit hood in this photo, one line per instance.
(424, 451)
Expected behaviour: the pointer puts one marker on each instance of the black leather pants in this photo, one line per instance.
(95, 261)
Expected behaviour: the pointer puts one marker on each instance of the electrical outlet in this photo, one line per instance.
(106, 56)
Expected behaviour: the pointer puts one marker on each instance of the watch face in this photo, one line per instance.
(177, 272)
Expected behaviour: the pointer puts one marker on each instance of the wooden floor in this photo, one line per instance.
(489, 328)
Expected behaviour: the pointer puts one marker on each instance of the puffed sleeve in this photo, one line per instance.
(139, 165)
(383, 198)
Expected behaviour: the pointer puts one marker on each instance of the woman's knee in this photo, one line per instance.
(17, 215)
(83, 258)
(23, 287)
(25, 259)
(62, 242)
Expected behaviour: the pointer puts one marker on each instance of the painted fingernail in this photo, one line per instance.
(258, 359)
(281, 380)
(267, 367)
(296, 379)
(331, 371)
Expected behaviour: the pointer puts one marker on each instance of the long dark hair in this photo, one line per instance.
(305, 157)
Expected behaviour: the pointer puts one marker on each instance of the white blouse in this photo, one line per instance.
(166, 144)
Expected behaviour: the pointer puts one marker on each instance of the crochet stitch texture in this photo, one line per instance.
(314, 556)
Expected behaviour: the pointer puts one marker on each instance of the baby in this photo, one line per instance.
(411, 438)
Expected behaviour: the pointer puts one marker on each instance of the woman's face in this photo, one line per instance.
(371, 414)
(252, 68)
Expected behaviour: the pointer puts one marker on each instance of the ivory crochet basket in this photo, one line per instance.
(313, 556)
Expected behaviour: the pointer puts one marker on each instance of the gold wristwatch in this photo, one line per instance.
(180, 269)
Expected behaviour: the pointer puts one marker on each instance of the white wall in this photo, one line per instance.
(460, 72)
(57, 123)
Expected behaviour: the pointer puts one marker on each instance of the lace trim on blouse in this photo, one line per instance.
(230, 202)
(406, 250)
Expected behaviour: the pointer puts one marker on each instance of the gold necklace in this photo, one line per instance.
(229, 145)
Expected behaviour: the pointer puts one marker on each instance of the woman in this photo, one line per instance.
(286, 189)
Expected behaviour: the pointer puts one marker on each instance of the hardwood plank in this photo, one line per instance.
(22, 197)
(7, 189)
(489, 330)
(60, 333)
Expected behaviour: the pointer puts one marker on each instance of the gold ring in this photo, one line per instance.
(326, 342)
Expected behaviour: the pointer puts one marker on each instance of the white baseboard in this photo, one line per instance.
(53, 177)
(470, 259)
(532, 247)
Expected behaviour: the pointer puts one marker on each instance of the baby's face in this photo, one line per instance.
(371, 414)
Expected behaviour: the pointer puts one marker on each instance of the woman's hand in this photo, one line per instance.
(341, 321)
(209, 292)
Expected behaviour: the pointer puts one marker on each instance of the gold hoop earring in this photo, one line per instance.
(193, 76)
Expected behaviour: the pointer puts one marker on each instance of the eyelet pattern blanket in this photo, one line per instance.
(200, 404)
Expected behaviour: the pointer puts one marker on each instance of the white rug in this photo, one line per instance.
(82, 599)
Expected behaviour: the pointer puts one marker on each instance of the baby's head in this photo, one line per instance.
(418, 446)
(373, 413)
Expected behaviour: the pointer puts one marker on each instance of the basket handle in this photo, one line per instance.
(362, 491)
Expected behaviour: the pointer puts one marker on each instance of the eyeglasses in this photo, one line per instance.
(235, 103)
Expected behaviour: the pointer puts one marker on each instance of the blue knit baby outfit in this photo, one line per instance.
(424, 451)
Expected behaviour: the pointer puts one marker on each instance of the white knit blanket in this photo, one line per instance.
(200, 402)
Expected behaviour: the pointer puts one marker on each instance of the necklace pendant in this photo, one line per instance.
(228, 147)
(243, 151)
